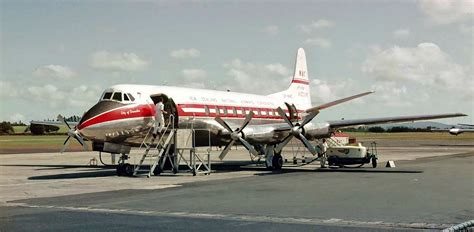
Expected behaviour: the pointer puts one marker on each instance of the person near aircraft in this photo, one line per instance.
(323, 149)
(159, 118)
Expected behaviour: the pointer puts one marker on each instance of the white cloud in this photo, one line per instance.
(185, 53)
(319, 42)
(323, 91)
(114, 61)
(8, 90)
(193, 74)
(80, 96)
(17, 117)
(56, 71)
(447, 11)
(401, 33)
(425, 64)
(255, 77)
(271, 30)
(278, 69)
(316, 25)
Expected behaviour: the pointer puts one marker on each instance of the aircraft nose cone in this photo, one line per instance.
(95, 111)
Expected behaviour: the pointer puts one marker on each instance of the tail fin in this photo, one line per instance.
(298, 92)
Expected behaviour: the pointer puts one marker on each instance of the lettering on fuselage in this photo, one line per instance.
(130, 112)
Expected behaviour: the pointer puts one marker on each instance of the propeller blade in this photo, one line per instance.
(226, 150)
(61, 118)
(307, 144)
(81, 141)
(283, 115)
(248, 146)
(309, 117)
(223, 124)
(66, 144)
(283, 143)
(247, 120)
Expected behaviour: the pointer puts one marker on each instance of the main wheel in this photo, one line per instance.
(277, 161)
(374, 162)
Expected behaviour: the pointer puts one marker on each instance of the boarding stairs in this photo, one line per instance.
(166, 138)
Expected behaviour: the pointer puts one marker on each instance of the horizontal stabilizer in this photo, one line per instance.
(333, 103)
(371, 121)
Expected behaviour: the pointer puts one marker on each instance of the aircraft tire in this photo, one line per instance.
(374, 162)
(277, 161)
(128, 169)
(120, 169)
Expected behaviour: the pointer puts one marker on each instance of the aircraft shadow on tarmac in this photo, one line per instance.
(105, 171)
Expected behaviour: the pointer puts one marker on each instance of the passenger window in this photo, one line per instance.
(107, 96)
(125, 97)
(206, 110)
(117, 96)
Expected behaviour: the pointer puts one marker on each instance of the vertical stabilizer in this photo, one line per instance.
(298, 92)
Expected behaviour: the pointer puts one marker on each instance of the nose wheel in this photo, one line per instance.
(124, 169)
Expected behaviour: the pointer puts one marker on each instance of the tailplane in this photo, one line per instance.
(298, 92)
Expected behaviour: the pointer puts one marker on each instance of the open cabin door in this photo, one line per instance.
(169, 105)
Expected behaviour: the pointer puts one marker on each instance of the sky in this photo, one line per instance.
(56, 57)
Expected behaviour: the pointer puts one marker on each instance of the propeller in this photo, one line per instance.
(236, 135)
(297, 130)
(72, 132)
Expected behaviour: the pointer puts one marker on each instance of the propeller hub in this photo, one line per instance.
(236, 135)
(296, 130)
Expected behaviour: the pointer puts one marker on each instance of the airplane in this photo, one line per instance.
(462, 129)
(261, 123)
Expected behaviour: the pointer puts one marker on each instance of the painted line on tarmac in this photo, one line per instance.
(240, 217)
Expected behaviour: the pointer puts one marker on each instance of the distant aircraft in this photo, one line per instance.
(459, 130)
(124, 114)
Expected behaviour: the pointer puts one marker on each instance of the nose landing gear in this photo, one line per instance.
(124, 169)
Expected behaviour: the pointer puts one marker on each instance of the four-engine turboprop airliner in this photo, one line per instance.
(125, 113)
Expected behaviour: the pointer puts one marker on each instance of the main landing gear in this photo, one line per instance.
(277, 161)
(273, 159)
(124, 169)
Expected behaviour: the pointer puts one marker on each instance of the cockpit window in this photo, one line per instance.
(107, 96)
(125, 97)
(117, 96)
(131, 96)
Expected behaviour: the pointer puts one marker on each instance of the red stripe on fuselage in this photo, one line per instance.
(120, 113)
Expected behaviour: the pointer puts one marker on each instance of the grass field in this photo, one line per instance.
(35, 143)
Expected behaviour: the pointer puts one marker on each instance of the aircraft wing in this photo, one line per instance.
(371, 121)
(53, 123)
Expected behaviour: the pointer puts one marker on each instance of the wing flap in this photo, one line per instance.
(371, 121)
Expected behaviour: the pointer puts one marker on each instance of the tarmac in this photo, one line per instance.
(430, 188)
